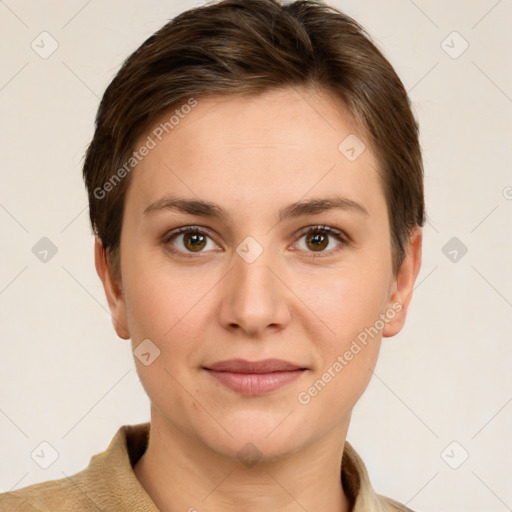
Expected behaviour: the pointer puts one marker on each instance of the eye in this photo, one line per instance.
(322, 240)
(318, 240)
(189, 239)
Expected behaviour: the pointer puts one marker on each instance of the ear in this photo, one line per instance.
(403, 284)
(113, 291)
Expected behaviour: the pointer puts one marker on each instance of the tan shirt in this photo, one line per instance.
(108, 483)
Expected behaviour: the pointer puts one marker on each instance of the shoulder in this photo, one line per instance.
(51, 496)
(391, 505)
(356, 482)
(107, 483)
(11, 502)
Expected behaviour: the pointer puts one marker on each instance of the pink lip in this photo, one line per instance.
(255, 377)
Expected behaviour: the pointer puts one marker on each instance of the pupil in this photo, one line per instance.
(318, 241)
(194, 240)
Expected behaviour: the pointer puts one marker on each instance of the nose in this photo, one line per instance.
(254, 297)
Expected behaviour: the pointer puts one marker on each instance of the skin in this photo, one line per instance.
(293, 302)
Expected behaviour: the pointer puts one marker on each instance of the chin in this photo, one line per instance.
(258, 436)
(250, 451)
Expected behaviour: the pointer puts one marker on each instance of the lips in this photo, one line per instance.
(264, 366)
(255, 377)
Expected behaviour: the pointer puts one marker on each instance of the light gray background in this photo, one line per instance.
(65, 377)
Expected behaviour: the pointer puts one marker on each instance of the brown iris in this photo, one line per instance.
(318, 240)
(194, 241)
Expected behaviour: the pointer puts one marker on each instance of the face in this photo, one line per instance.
(249, 235)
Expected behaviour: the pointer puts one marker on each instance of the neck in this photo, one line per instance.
(181, 473)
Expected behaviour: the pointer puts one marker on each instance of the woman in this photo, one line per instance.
(256, 190)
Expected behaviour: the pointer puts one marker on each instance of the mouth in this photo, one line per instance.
(255, 377)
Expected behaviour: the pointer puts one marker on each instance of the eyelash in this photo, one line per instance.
(333, 232)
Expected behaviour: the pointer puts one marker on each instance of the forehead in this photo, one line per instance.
(257, 150)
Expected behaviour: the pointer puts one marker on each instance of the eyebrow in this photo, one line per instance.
(294, 210)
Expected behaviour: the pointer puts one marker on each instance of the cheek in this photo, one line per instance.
(349, 306)
(150, 302)
(348, 346)
(347, 301)
(167, 310)
(166, 305)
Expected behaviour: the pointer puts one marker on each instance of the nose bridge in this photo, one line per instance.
(255, 298)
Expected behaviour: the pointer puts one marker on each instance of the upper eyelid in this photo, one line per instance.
(185, 229)
(321, 227)
(336, 232)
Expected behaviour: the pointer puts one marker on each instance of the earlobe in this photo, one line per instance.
(112, 290)
(404, 284)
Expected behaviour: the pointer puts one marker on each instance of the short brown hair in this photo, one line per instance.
(249, 47)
